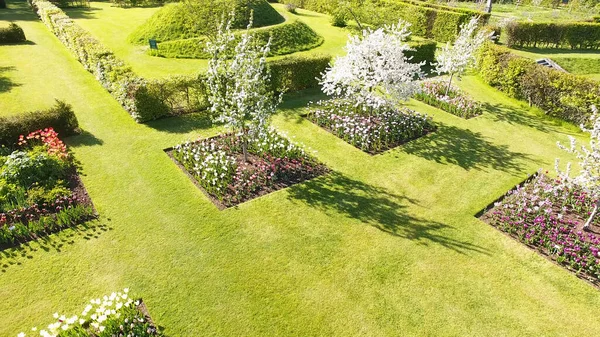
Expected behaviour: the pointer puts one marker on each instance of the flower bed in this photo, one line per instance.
(217, 164)
(456, 103)
(370, 131)
(548, 217)
(115, 315)
(40, 191)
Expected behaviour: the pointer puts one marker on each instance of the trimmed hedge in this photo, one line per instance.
(434, 21)
(172, 22)
(574, 35)
(287, 38)
(12, 34)
(144, 100)
(60, 117)
(295, 73)
(424, 50)
(558, 94)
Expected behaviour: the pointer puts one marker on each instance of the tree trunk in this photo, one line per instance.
(488, 6)
(355, 18)
(449, 84)
(245, 144)
(589, 221)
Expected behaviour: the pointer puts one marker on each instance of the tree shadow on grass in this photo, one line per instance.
(83, 139)
(504, 113)
(17, 11)
(82, 12)
(6, 84)
(294, 103)
(183, 123)
(467, 149)
(336, 193)
(14, 255)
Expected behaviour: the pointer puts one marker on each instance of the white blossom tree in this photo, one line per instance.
(375, 68)
(454, 59)
(589, 176)
(238, 83)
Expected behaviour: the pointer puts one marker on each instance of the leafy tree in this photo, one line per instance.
(454, 59)
(239, 84)
(374, 68)
(589, 176)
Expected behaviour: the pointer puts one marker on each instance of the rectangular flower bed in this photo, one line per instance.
(40, 191)
(548, 217)
(218, 166)
(114, 315)
(454, 102)
(370, 130)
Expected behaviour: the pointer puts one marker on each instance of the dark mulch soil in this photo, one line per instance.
(317, 171)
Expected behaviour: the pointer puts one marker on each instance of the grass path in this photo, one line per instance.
(124, 21)
(385, 246)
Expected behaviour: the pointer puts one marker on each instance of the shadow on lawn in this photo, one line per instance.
(505, 113)
(183, 123)
(17, 11)
(467, 149)
(13, 256)
(377, 207)
(6, 84)
(85, 138)
(82, 12)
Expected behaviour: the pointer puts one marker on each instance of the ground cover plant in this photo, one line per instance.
(219, 167)
(436, 93)
(548, 216)
(313, 259)
(372, 131)
(40, 191)
(114, 315)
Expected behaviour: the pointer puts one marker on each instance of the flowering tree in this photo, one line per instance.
(589, 176)
(374, 68)
(456, 58)
(239, 83)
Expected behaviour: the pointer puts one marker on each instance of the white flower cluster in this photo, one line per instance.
(276, 145)
(97, 312)
(454, 59)
(589, 175)
(374, 68)
(208, 162)
(238, 82)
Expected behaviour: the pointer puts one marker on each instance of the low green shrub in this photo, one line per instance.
(430, 20)
(2, 4)
(295, 73)
(12, 34)
(574, 35)
(424, 50)
(558, 94)
(287, 38)
(60, 117)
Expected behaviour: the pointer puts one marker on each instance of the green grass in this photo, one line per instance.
(579, 62)
(528, 12)
(112, 25)
(386, 245)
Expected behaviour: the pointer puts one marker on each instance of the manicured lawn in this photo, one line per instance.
(526, 12)
(112, 25)
(384, 245)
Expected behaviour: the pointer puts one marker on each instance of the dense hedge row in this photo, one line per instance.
(177, 21)
(144, 100)
(287, 38)
(424, 50)
(295, 73)
(559, 94)
(574, 35)
(12, 34)
(60, 117)
(438, 22)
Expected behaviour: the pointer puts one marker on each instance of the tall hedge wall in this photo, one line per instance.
(434, 21)
(60, 117)
(574, 35)
(559, 94)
